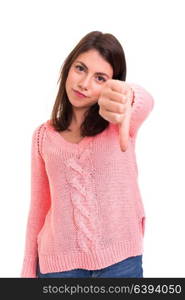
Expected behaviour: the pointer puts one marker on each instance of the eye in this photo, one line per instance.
(101, 78)
(78, 67)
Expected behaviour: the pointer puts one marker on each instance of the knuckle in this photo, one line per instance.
(121, 108)
(123, 98)
(100, 101)
(117, 118)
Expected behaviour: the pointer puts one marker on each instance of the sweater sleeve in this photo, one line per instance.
(143, 104)
(39, 204)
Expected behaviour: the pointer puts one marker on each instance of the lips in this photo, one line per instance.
(79, 94)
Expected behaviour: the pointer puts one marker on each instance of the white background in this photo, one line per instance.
(36, 37)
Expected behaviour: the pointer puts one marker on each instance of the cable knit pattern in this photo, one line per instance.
(86, 209)
(84, 204)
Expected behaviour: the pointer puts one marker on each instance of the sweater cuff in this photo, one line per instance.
(29, 267)
(142, 105)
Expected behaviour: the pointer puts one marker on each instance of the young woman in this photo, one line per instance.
(86, 216)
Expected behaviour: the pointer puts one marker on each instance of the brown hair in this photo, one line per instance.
(111, 50)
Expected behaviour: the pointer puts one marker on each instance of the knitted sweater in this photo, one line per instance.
(86, 210)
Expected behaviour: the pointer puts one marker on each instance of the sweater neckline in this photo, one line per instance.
(68, 144)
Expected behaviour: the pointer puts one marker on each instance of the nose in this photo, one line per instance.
(84, 83)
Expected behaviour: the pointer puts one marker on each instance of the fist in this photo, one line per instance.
(115, 103)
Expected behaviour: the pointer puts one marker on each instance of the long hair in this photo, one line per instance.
(111, 50)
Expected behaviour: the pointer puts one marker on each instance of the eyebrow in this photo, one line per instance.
(98, 73)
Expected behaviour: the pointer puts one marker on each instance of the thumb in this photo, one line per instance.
(124, 128)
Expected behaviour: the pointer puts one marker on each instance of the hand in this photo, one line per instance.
(115, 106)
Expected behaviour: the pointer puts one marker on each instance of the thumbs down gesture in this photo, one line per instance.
(115, 103)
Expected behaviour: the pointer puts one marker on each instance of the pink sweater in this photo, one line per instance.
(86, 209)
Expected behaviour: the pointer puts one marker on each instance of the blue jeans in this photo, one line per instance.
(130, 267)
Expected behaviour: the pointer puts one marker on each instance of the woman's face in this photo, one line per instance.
(87, 75)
